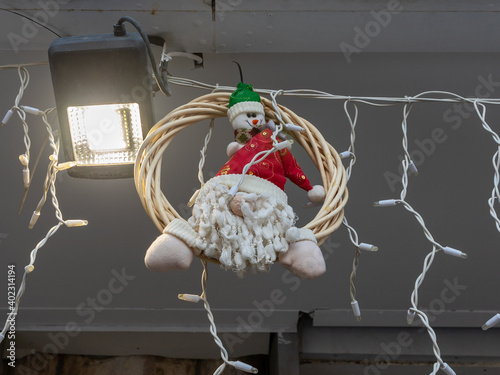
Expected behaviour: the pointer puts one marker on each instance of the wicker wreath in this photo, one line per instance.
(147, 170)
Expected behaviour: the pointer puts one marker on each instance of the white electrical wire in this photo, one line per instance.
(408, 164)
(21, 111)
(352, 124)
(49, 185)
(315, 94)
(204, 278)
(430, 257)
(203, 152)
(24, 77)
(167, 56)
(213, 328)
(353, 235)
(16, 66)
(479, 105)
(495, 193)
(414, 309)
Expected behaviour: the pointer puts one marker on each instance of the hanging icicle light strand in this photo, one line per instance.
(353, 235)
(408, 167)
(49, 185)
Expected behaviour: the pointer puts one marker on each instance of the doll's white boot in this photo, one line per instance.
(168, 252)
(304, 259)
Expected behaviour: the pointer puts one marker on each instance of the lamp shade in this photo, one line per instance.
(102, 87)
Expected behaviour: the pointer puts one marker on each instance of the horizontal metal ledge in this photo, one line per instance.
(397, 318)
(396, 344)
(154, 320)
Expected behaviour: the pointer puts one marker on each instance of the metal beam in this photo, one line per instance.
(396, 344)
(284, 354)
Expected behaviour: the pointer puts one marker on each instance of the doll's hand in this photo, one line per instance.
(316, 194)
(233, 148)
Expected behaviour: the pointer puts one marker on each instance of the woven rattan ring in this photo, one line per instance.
(147, 171)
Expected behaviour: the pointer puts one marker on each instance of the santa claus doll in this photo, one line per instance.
(251, 228)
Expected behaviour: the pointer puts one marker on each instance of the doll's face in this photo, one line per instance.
(248, 121)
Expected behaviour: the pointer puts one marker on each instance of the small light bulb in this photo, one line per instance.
(29, 268)
(282, 145)
(75, 223)
(447, 369)
(192, 200)
(189, 297)
(245, 367)
(34, 219)
(385, 203)
(293, 127)
(413, 168)
(491, 322)
(26, 176)
(233, 190)
(7, 117)
(454, 252)
(367, 247)
(23, 158)
(33, 111)
(355, 310)
(345, 154)
(64, 166)
(410, 316)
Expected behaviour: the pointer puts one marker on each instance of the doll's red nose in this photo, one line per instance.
(255, 121)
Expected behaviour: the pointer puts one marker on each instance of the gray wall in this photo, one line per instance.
(451, 193)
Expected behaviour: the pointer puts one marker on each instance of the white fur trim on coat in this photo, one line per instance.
(252, 184)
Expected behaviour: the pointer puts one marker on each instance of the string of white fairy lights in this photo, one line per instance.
(213, 328)
(353, 235)
(408, 166)
(49, 184)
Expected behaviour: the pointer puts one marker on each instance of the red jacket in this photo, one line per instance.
(275, 168)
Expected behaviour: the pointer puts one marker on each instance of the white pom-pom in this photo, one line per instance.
(316, 194)
(292, 235)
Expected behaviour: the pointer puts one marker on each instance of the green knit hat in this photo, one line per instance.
(244, 100)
